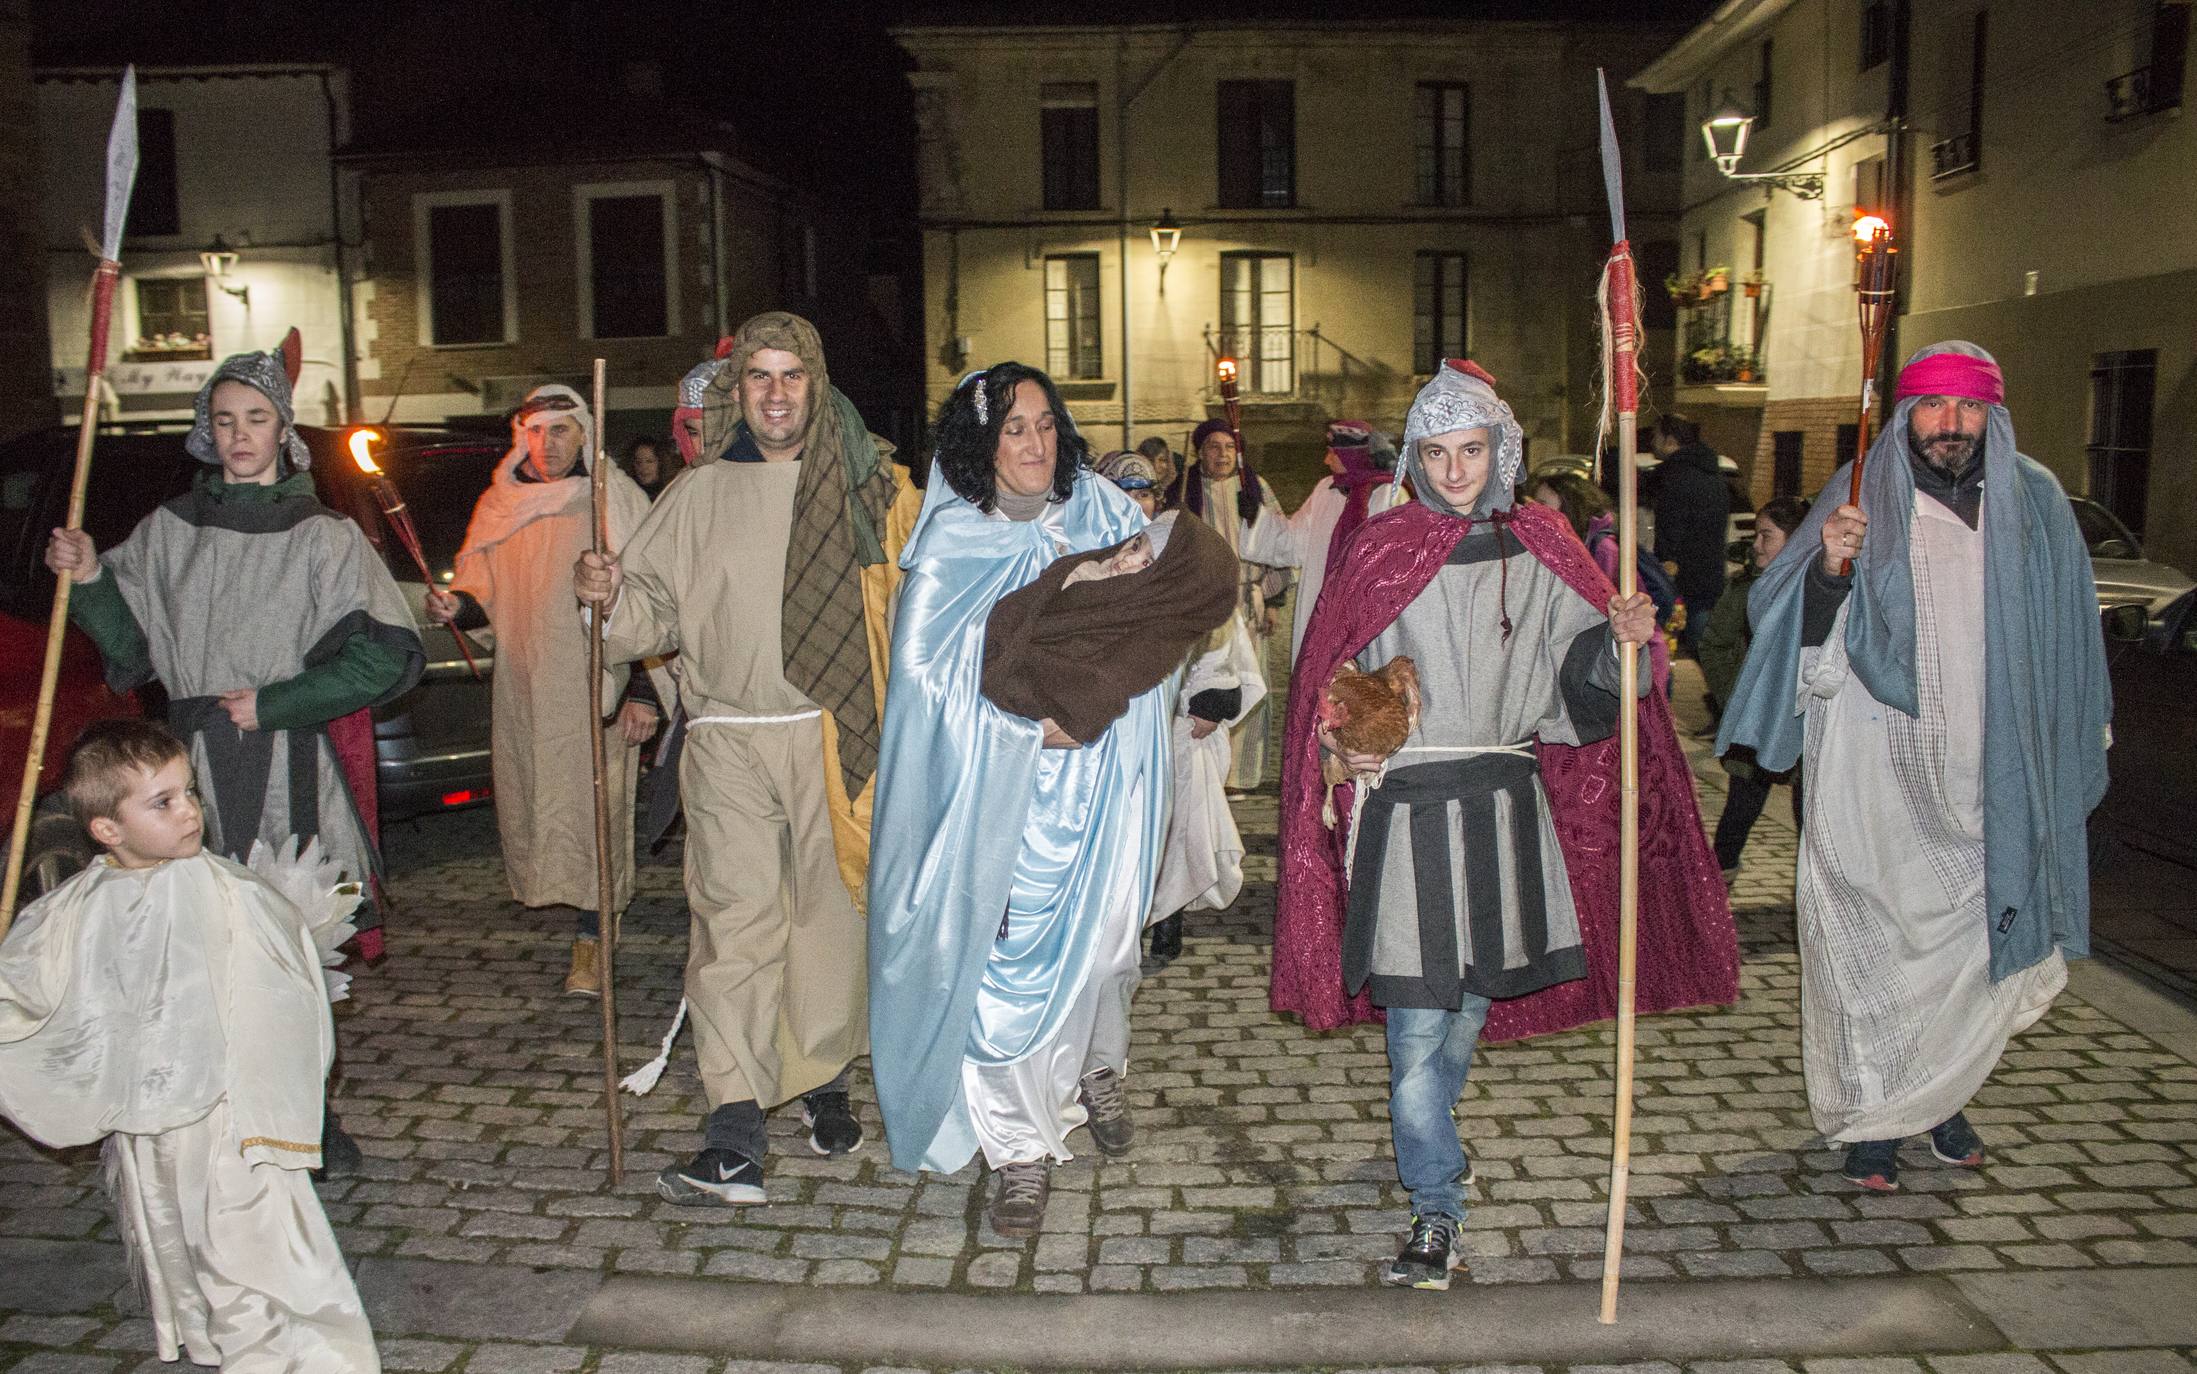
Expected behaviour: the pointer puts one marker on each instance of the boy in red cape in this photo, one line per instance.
(1481, 892)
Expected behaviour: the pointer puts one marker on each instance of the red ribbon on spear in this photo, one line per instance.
(121, 176)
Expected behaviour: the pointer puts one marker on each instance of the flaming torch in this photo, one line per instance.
(1873, 265)
(1225, 370)
(400, 520)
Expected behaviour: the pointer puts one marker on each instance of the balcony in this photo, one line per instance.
(2144, 91)
(1951, 157)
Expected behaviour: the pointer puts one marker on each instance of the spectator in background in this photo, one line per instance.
(1588, 513)
(1723, 648)
(1165, 461)
(645, 465)
(1691, 507)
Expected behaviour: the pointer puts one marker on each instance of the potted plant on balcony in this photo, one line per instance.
(1715, 281)
(1751, 284)
(1685, 287)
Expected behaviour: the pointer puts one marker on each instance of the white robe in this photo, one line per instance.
(1201, 867)
(1299, 541)
(1900, 1021)
(180, 1012)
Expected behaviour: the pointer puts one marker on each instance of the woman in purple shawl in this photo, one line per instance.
(1482, 872)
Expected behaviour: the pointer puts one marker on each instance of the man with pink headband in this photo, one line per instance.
(1934, 651)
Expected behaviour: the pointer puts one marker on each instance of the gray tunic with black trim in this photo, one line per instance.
(1458, 885)
(234, 594)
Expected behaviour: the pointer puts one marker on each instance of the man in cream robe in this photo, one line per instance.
(179, 1012)
(536, 516)
(756, 567)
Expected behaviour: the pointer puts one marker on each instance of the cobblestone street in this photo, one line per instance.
(1262, 1159)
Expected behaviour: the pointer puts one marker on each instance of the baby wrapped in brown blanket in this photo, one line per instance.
(1097, 629)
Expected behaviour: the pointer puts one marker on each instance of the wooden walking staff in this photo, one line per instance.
(1873, 284)
(121, 175)
(598, 476)
(1621, 348)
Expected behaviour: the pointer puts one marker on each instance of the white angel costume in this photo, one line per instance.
(1201, 866)
(180, 1012)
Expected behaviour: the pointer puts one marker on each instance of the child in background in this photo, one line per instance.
(173, 1002)
(1723, 650)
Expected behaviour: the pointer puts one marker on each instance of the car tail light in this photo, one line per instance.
(465, 796)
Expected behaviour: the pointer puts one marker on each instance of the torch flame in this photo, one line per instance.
(362, 443)
(1227, 369)
(1869, 228)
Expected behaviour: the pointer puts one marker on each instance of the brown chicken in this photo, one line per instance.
(1369, 713)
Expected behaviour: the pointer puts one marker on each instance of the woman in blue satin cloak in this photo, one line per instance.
(1010, 866)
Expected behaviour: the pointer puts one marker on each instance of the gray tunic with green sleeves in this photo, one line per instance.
(232, 594)
(1457, 882)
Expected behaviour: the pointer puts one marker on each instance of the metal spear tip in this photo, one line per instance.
(362, 444)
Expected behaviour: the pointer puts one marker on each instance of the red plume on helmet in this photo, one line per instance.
(293, 355)
(1470, 369)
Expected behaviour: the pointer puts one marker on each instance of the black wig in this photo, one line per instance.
(966, 446)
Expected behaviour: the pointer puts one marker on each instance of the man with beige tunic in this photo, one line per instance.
(752, 567)
(535, 517)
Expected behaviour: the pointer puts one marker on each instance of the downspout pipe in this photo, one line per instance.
(346, 325)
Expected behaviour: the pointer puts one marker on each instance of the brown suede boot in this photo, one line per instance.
(586, 977)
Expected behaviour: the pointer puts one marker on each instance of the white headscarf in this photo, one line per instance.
(1462, 396)
(541, 408)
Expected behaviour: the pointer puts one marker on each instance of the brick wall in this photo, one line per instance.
(1817, 418)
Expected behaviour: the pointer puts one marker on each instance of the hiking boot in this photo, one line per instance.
(340, 1156)
(1874, 1164)
(1019, 1205)
(586, 977)
(833, 1127)
(713, 1178)
(1430, 1255)
(1167, 940)
(1955, 1142)
(1111, 1129)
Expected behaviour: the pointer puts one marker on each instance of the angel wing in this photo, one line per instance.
(314, 884)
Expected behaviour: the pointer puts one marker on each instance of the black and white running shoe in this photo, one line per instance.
(833, 1127)
(1429, 1256)
(713, 1178)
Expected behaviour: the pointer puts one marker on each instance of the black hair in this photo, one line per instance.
(639, 442)
(966, 447)
(1679, 429)
(1785, 512)
(1579, 499)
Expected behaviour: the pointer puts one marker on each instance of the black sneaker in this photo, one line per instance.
(833, 1127)
(1111, 1129)
(713, 1178)
(1874, 1164)
(1429, 1256)
(1167, 940)
(1955, 1142)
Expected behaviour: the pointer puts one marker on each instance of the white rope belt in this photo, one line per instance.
(811, 714)
(1367, 786)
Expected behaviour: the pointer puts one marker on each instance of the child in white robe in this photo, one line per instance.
(173, 1002)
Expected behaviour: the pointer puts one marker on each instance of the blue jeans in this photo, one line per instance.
(1429, 1054)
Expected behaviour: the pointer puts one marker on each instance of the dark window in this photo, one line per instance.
(1963, 152)
(1258, 319)
(171, 321)
(465, 263)
(1843, 444)
(154, 206)
(796, 257)
(1785, 462)
(1869, 189)
(1068, 128)
(1876, 34)
(1441, 297)
(1654, 262)
(626, 267)
(1072, 316)
(2121, 390)
(1663, 132)
(1258, 144)
(1764, 89)
(1444, 143)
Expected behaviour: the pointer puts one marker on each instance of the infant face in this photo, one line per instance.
(1133, 556)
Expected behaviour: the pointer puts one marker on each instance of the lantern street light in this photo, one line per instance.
(1166, 238)
(1725, 133)
(219, 259)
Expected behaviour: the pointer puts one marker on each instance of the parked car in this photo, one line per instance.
(431, 744)
(2152, 657)
(2117, 560)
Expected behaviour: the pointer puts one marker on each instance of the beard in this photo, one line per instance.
(1948, 452)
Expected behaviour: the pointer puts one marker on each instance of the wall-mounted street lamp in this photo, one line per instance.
(219, 259)
(1166, 238)
(1726, 131)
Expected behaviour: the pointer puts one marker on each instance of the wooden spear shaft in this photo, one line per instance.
(607, 920)
(57, 628)
(1624, 335)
